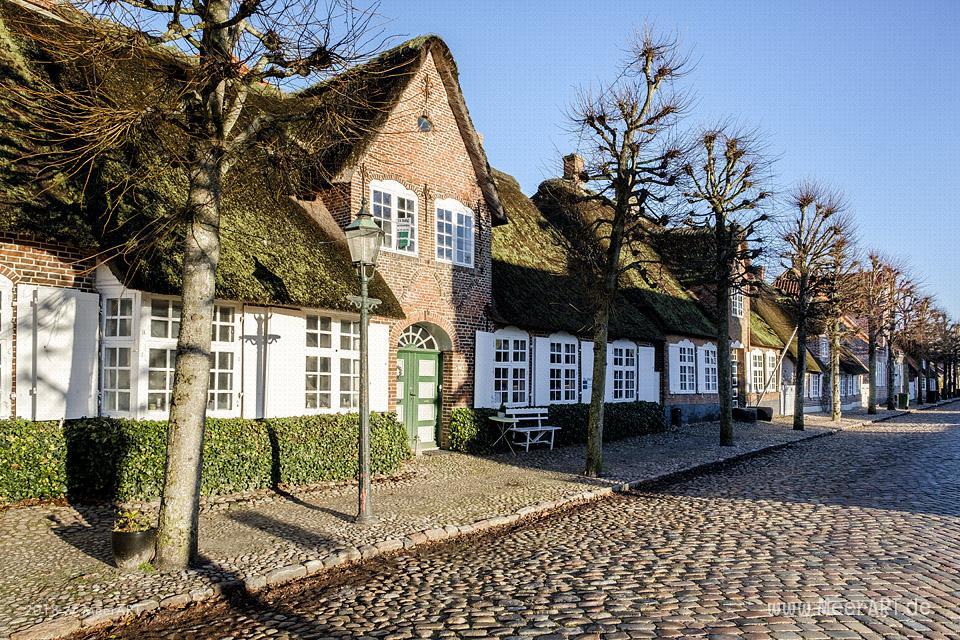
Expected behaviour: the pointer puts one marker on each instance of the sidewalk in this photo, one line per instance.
(56, 574)
(857, 417)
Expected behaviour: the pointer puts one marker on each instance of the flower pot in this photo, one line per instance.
(131, 549)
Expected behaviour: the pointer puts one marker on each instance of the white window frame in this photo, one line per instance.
(511, 372)
(623, 364)
(344, 345)
(711, 370)
(813, 385)
(757, 371)
(737, 304)
(381, 211)
(771, 369)
(735, 377)
(462, 219)
(563, 361)
(218, 347)
(687, 367)
(119, 342)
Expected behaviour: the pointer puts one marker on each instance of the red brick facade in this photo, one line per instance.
(434, 165)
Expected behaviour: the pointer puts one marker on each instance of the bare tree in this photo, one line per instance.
(625, 130)
(839, 291)
(901, 294)
(726, 175)
(873, 308)
(203, 113)
(817, 223)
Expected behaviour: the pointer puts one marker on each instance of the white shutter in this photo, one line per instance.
(648, 379)
(608, 378)
(379, 366)
(286, 364)
(586, 371)
(673, 367)
(483, 371)
(701, 370)
(541, 371)
(57, 350)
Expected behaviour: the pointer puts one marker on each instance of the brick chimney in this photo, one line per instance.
(760, 271)
(572, 167)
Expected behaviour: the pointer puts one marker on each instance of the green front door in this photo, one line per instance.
(418, 394)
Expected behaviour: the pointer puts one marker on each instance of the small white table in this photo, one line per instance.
(504, 423)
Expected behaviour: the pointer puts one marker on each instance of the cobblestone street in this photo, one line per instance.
(855, 535)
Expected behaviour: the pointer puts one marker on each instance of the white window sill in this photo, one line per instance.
(401, 252)
(452, 263)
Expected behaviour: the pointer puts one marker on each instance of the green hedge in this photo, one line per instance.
(110, 459)
(472, 432)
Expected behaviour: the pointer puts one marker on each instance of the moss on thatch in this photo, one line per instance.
(129, 204)
(769, 308)
(542, 278)
(761, 335)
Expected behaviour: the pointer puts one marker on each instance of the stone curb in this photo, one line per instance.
(343, 557)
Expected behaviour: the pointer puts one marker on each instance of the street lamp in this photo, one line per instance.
(364, 237)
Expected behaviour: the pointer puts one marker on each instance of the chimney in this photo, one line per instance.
(761, 271)
(572, 167)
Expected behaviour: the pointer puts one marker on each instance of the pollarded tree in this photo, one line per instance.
(809, 234)
(839, 292)
(874, 306)
(726, 176)
(901, 293)
(209, 111)
(629, 167)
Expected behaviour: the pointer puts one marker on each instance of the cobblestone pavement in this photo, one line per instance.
(55, 561)
(856, 535)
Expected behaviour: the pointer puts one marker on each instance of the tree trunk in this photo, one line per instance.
(179, 505)
(872, 372)
(836, 402)
(725, 388)
(594, 461)
(801, 368)
(891, 364)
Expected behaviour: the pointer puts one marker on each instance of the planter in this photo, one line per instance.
(131, 549)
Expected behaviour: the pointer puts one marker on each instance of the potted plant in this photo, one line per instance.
(133, 539)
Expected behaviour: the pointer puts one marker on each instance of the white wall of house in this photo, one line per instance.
(112, 353)
(515, 368)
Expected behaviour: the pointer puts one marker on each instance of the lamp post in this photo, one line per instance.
(364, 237)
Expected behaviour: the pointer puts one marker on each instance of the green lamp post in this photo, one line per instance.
(364, 238)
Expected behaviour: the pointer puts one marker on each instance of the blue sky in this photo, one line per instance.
(862, 95)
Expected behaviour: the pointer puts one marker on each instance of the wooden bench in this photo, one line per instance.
(530, 422)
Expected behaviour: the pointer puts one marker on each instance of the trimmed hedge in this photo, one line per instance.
(472, 432)
(111, 459)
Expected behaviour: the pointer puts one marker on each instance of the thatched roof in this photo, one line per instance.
(850, 363)
(776, 316)
(537, 282)
(273, 251)
(761, 334)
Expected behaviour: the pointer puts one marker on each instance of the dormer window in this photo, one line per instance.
(395, 210)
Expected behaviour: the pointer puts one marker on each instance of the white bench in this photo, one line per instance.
(530, 422)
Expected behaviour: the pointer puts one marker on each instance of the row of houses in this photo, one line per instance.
(482, 303)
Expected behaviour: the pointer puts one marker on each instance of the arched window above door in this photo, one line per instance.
(417, 337)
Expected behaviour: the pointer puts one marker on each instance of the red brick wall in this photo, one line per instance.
(434, 165)
(25, 261)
